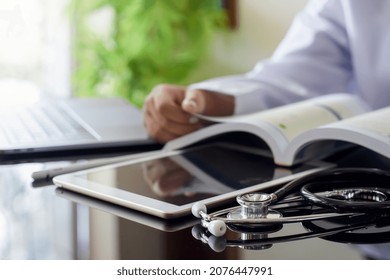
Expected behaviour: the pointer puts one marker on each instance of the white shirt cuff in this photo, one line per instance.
(246, 93)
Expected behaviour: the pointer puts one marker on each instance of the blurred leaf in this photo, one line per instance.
(152, 42)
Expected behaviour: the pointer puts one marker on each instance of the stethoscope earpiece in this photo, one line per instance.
(216, 227)
(217, 243)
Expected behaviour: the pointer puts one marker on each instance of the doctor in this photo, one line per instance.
(332, 46)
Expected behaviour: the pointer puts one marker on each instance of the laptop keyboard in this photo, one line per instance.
(41, 123)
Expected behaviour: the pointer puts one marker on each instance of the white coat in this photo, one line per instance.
(332, 46)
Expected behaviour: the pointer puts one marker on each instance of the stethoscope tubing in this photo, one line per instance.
(296, 237)
(219, 215)
(364, 180)
(358, 174)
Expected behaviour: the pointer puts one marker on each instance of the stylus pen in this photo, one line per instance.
(49, 174)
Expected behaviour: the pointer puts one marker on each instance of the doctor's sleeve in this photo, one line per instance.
(313, 59)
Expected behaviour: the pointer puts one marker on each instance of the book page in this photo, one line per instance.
(376, 123)
(370, 130)
(294, 119)
(279, 126)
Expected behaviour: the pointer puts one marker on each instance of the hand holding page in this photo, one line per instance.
(305, 130)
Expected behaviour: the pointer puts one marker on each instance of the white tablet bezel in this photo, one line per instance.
(74, 182)
(126, 213)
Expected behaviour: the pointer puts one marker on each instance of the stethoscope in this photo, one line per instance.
(364, 229)
(347, 191)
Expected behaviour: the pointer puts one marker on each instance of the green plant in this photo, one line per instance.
(150, 42)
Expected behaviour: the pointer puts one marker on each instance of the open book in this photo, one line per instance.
(310, 129)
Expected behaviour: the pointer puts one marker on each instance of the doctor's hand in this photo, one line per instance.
(169, 109)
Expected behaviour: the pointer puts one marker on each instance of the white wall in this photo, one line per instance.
(34, 48)
(262, 25)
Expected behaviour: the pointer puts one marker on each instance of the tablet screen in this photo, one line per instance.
(194, 174)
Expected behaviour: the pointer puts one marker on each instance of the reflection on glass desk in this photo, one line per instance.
(45, 223)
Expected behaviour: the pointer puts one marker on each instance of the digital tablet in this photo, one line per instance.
(103, 207)
(167, 184)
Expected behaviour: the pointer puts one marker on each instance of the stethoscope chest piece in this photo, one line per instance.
(254, 206)
(252, 213)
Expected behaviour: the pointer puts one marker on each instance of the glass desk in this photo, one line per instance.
(41, 222)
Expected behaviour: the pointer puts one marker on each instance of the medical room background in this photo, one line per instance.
(36, 58)
(37, 53)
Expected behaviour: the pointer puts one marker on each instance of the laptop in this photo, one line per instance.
(79, 125)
